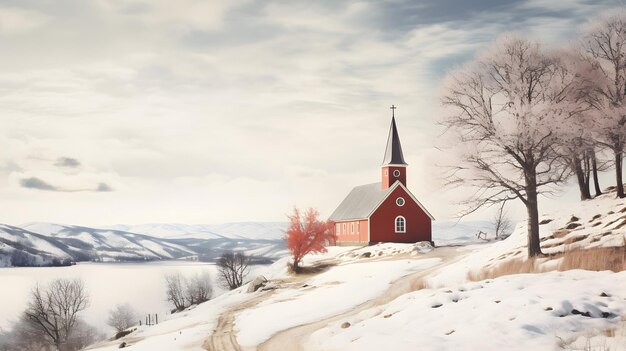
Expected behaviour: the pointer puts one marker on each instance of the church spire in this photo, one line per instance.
(393, 152)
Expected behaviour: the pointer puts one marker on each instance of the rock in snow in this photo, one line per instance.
(256, 284)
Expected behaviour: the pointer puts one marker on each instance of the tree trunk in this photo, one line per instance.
(583, 184)
(618, 174)
(594, 170)
(296, 266)
(532, 206)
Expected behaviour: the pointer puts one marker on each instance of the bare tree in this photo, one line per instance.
(198, 288)
(25, 335)
(604, 47)
(503, 110)
(233, 268)
(122, 317)
(174, 290)
(502, 223)
(53, 310)
(83, 335)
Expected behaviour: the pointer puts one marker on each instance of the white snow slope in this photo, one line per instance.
(570, 310)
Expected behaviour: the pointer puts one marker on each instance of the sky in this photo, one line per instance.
(188, 111)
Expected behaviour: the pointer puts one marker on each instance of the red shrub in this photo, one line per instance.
(306, 234)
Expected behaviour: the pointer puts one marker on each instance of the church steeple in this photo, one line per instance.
(394, 166)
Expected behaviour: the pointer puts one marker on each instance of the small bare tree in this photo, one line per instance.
(122, 317)
(233, 268)
(502, 223)
(174, 290)
(198, 288)
(25, 335)
(83, 335)
(53, 309)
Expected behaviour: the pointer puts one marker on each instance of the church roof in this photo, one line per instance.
(360, 202)
(393, 152)
(363, 200)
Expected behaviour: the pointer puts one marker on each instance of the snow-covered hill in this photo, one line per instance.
(40, 244)
(238, 230)
(51, 244)
(402, 297)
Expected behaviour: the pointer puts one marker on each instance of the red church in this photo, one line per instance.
(386, 211)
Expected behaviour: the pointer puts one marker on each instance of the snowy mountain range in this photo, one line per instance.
(35, 244)
(40, 243)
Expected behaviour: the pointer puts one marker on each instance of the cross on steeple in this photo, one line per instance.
(393, 110)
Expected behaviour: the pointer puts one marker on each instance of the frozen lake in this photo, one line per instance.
(139, 284)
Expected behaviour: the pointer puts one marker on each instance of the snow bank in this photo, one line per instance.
(333, 292)
(521, 312)
(181, 331)
(385, 250)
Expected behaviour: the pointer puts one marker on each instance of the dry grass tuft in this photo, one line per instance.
(597, 259)
(419, 284)
(515, 266)
(560, 233)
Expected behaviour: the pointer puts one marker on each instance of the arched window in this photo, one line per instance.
(400, 224)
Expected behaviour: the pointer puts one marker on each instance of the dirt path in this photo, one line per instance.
(292, 339)
(224, 337)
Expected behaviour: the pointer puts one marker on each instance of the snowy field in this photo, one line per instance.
(521, 312)
(333, 292)
(139, 284)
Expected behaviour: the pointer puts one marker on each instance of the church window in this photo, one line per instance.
(400, 224)
(400, 201)
(338, 229)
(344, 229)
(396, 173)
(352, 228)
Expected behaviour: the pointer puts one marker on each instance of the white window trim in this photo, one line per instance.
(395, 224)
(386, 172)
(344, 229)
(398, 199)
(358, 227)
(398, 173)
(338, 228)
(352, 228)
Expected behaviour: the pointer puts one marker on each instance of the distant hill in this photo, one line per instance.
(41, 243)
(237, 230)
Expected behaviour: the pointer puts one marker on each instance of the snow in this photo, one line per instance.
(238, 230)
(45, 246)
(139, 284)
(569, 310)
(182, 331)
(330, 293)
(460, 233)
(382, 250)
(152, 246)
(522, 312)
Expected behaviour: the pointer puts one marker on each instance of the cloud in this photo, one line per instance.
(36, 183)
(15, 20)
(103, 187)
(67, 162)
(287, 96)
(40, 184)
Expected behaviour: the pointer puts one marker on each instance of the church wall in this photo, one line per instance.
(361, 232)
(418, 224)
